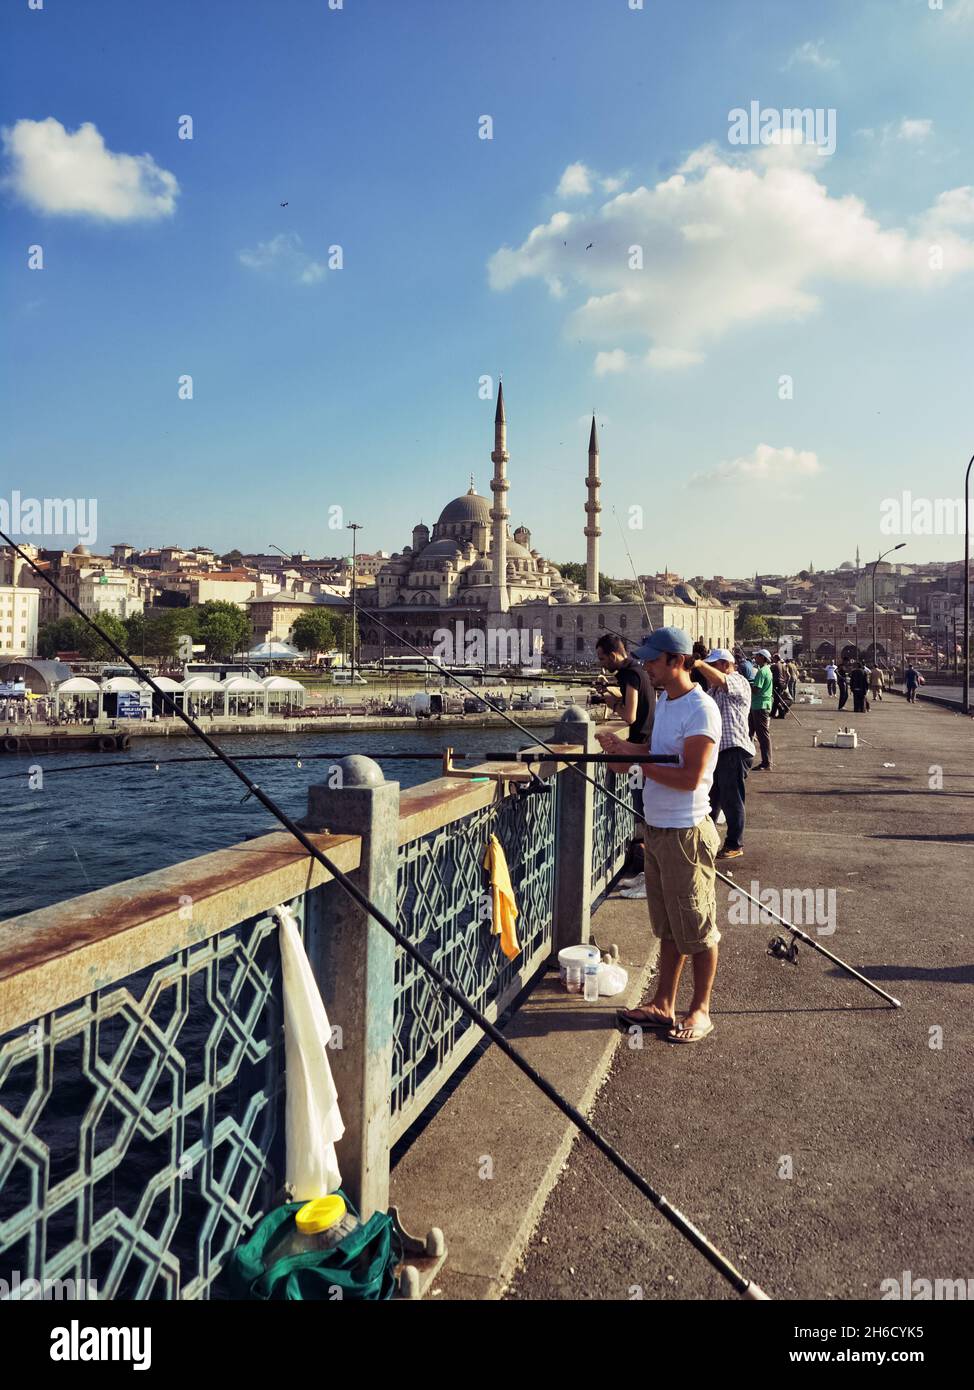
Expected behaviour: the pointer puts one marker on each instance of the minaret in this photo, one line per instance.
(592, 509)
(499, 597)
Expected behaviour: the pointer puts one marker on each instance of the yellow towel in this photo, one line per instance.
(503, 906)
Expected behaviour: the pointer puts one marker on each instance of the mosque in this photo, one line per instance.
(472, 569)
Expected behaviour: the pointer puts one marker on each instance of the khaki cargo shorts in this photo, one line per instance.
(681, 878)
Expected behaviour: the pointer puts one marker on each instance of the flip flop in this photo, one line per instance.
(700, 1033)
(625, 1016)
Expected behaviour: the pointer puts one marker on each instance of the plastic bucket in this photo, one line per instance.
(577, 956)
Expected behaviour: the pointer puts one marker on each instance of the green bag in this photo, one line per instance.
(361, 1267)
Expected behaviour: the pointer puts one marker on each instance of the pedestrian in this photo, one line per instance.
(761, 699)
(732, 694)
(636, 704)
(859, 685)
(843, 679)
(792, 680)
(681, 841)
(876, 682)
(779, 689)
(830, 679)
(912, 679)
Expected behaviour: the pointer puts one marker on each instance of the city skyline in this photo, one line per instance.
(345, 279)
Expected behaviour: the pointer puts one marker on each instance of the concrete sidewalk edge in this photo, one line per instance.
(439, 1182)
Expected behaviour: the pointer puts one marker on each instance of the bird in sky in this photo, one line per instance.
(284, 205)
(590, 245)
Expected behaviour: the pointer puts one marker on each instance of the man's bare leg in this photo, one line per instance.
(663, 1002)
(704, 973)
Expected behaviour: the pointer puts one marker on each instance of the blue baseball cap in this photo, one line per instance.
(672, 640)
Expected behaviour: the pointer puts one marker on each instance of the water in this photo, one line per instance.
(86, 830)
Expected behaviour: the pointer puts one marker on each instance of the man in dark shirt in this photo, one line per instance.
(636, 704)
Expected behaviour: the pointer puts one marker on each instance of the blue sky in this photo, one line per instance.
(359, 387)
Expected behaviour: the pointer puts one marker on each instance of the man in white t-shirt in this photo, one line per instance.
(680, 839)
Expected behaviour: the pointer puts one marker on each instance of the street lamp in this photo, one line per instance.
(353, 526)
(967, 588)
(875, 564)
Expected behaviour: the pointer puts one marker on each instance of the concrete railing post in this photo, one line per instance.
(573, 847)
(353, 958)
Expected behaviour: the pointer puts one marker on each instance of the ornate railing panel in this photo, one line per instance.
(141, 1128)
(612, 829)
(443, 909)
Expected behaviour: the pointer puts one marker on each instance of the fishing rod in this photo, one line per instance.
(522, 755)
(642, 594)
(745, 1287)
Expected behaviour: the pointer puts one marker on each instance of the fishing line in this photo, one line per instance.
(743, 1286)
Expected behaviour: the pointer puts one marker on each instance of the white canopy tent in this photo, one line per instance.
(274, 651)
(283, 694)
(242, 690)
(202, 694)
(79, 694)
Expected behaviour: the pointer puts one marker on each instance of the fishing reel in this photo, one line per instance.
(536, 787)
(784, 950)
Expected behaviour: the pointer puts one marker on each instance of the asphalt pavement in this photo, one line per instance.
(821, 1139)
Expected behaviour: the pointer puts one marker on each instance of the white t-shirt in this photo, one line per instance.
(675, 721)
(830, 672)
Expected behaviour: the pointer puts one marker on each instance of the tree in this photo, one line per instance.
(158, 631)
(223, 627)
(315, 632)
(233, 557)
(756, 629)
(90, 644)
(63, 635)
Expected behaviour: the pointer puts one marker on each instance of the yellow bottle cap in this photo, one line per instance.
(320, 1214)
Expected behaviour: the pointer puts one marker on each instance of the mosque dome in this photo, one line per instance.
(447, 549)
(470, 508)
(81, 550)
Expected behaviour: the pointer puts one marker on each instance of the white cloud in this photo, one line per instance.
(672, 359)
(725, 242)
(765, 464)
(74, 175)
(811, 53)
(606, 362)
(914, 130)
(285, 253)
(575, 182)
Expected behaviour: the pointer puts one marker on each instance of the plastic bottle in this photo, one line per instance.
(591, 981)
(320, 1224)
(573, 977)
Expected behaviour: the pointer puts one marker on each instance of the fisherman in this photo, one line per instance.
(733, 697)
(635, 704)
(761, 700)
(681, 840)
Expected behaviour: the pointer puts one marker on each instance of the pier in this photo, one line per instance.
(142, 1081)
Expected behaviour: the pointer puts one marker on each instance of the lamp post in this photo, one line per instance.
(353, 526)
(875, 565)
(967, 588)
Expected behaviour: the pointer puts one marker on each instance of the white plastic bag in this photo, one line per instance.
(313, 1122)
(612, 980)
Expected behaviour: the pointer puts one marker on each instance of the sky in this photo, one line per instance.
(385, 207)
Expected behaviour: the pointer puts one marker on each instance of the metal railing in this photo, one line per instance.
(142, 1081)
